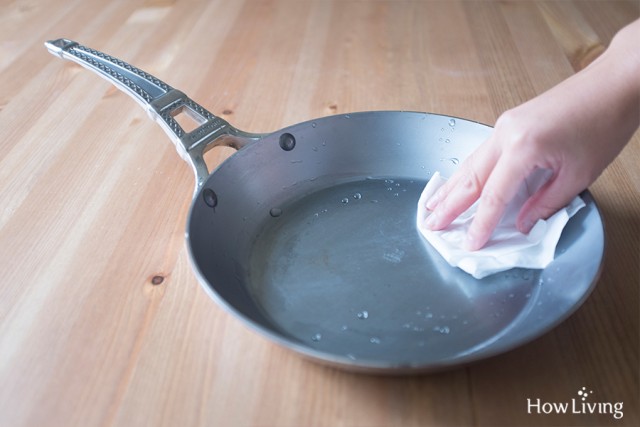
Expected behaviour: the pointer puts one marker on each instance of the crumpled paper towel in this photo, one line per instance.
(507, 248)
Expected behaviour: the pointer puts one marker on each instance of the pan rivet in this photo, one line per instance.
(210, 197)
(287, 142)
(275, 212)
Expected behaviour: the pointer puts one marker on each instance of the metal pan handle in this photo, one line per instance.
(163, 103)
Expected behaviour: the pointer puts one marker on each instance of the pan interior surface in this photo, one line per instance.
(345, 271)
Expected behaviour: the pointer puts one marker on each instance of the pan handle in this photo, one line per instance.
(163, 103)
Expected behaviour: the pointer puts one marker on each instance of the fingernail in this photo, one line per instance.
(432, 221)
(435, 199)
(432, 202)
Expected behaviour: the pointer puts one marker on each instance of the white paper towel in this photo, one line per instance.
(507, 248)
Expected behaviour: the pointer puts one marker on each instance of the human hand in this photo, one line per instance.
(574, 131)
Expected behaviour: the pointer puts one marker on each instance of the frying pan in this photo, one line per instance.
(308, 235)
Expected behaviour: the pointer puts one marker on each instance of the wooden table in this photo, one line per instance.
(94, 200)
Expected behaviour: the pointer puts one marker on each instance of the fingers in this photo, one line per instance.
(554, 195)
(462, 190)
(503, 183)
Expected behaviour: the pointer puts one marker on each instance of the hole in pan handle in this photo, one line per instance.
(164, 104)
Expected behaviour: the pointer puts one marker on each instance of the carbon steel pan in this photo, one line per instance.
(308, 236)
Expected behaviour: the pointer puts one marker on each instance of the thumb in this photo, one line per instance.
(552, 196)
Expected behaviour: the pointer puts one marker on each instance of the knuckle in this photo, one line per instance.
(507, 119)
(517, 136)
(471, 183)
(510, 125)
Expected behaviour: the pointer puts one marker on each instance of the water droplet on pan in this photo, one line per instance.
(453, 160)
(364, 314)
(442, 329)
(452, 122)
(316, 337)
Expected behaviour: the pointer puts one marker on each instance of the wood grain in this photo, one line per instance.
(94, 200)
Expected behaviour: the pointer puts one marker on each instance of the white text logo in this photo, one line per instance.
(576, 406)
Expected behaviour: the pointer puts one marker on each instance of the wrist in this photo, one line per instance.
(614, 81)
(624, 55)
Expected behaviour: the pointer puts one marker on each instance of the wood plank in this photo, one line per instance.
(102, 321)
